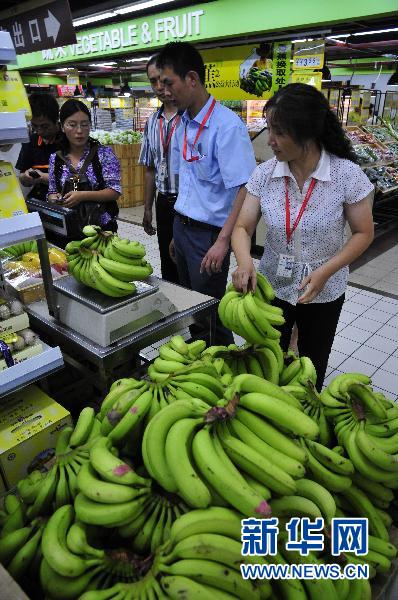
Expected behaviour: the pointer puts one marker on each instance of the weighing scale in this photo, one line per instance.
(106, 320)
(56, 218)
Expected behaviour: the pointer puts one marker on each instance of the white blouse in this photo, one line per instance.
(320, 233)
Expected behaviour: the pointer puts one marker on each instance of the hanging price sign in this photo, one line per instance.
(309, 55)
(313, 78)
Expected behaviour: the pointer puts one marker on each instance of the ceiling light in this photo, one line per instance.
(63, 69)
(376, 31)
(93, 18)
(141, 6)
(138, 59)
(104, 64)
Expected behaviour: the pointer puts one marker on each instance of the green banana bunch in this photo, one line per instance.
(256, 81)
(15, 515)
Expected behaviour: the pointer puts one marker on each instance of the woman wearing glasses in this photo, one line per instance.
(84, 175)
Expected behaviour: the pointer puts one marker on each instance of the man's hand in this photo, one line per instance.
(314, 283)
(147, 222)
(72, 199)
(244, 278)
(172, 252)
(43, 177)
(212, 262)
(26, 179)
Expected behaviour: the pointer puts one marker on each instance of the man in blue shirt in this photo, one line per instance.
(214, 158)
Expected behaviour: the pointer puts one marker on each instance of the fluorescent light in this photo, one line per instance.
(141, 6)
(359, 33)
(63, 69)
(138, 59)
(94, 18)
(104, 64)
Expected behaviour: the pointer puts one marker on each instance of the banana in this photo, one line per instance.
(142, 540)
(167, 366)
(229, 486)
(196, 390)
(256, 465)
(158, 531)
(250, 383)
(260, 319)
(11, 543)
(224, 308)
(321, 497)
(137, 522)
(295, 506)
(24, 557)
(98, 513)
(269, 364)
(334, 386)
(120, 408)
(253, 365)
(215, 547)
(57, 587)
(316, 588)
(135, 414)
(125, 272)
(372, 488)
(363, 507)
(62, 490)
(72, 247)
(156, 375)
(190, 486)
(110, 467)
(292, 419)
(54, 546)
(153, 443)
(290, 372)
(45, 496)
(203, 379)
(196, 348)
(361, 463)
(83, 427)
(168, 353)
(329, 479)
(104, 491)
(76, 541)
(290, 465)
(271, 435)
(177, 587)
(15, 518)
(220, 520)
(128, 248)
(330, 459)
(178, 344)
(373, 453)
(117, 389)
(388, 444)
(265, 288)
(382, 547)
(384, 516)
(108, 282)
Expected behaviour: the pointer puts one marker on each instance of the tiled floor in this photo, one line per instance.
(380, 274)
(367, 334)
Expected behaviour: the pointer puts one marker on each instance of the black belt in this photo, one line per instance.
(194, 223)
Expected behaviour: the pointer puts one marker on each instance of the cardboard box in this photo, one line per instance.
(22, 355)
(14, 324)
(30, 422)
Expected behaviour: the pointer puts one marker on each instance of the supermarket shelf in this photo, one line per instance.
(13, 128)
(21, 229)
(7, 50)
(30, 370)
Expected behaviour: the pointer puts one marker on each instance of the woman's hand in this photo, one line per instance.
(244, 278)
(72, 199)
(314, 282)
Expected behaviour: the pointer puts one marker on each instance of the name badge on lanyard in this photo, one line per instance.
(286, 261)
(162, 168)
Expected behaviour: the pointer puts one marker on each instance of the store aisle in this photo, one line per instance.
(367, 334)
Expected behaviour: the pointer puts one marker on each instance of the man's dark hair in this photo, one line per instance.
(44, 105)
(182, 57)
(151, 61)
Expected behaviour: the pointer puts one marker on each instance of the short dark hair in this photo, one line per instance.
(151, 61)
(44, 105)
(182, 57)
(70, 107)
(302, 112)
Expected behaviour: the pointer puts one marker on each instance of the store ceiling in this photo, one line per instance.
(357, 46)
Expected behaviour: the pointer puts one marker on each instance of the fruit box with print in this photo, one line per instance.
(30, 422)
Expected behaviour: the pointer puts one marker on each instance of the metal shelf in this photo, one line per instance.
(7, 50)
(30, 370)
(13, 128)
(21, 228)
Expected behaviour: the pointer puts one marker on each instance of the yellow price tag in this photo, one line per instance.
(117, 102)
(309, 55)
(313, 78)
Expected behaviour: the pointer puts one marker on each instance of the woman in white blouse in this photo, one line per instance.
(305, 195)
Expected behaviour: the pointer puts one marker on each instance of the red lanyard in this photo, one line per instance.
(166, 144)
(201, 127)
(290, 230)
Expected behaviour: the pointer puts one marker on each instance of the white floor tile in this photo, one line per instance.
(370, 294)
(389, 332)
(354, 365)
(353, 307)
(371, 356)
(353, 333)
(393, 321)
(366, 324)
(391, 365)
(377, 315)
(382, 343)
(347, 317)
(336, 358)
(365, 299)
(386, 305)
(345, 346)
(386, 381)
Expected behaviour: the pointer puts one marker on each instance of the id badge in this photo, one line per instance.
(285, 266)
(162, 171)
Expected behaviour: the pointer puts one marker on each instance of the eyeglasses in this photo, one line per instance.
(73, 125)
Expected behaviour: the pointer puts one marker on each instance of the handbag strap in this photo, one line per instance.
(83, 168)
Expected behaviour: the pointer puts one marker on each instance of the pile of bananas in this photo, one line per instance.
(256, 81)
(251, 315)
(107, 263)
(18, 250)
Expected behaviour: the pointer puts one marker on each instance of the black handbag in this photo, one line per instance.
(89, 213)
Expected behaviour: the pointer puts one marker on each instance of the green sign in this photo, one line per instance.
(207, 21)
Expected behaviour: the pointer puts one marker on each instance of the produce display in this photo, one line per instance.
(24, 258)
(382, 134)
(107, 263)
(145, 499)
(368, 154)
(117, 136)
(384, 177)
